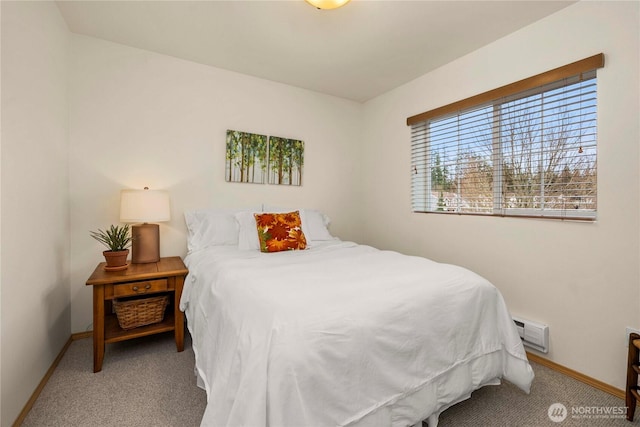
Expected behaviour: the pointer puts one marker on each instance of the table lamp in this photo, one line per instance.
(144, 206)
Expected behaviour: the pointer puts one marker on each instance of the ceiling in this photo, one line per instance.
(356, 52)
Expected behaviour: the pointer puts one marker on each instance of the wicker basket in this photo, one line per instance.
(139, 312)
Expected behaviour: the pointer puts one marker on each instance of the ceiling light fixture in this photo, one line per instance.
(327, 4)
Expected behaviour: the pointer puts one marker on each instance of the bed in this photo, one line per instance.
(338, 334)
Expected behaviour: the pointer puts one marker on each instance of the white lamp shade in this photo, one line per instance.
(144, 206)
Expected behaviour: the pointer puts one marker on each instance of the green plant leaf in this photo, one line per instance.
(115, 238)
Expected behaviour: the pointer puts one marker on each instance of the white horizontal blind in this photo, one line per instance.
(531, 154)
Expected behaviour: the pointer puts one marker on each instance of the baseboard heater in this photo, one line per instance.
(534, 335)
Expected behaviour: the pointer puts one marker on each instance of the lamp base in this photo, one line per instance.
(145, 246)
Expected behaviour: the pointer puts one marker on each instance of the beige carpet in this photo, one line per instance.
(145, 382)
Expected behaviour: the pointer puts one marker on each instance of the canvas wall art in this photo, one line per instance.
(258, 159)
(286, 159)
(246, 159)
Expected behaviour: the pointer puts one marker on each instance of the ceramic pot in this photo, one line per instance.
(116, 259)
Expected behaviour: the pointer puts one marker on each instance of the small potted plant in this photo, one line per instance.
(118, 240)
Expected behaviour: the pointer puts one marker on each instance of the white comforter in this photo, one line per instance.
(343, 334)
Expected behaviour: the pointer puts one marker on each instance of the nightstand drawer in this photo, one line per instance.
(139, 288)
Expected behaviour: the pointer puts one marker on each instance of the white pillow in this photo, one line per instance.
(317, 224)
(212, 227)
(248, 233)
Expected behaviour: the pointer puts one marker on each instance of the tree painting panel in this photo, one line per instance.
(246, 159)
(286, 158)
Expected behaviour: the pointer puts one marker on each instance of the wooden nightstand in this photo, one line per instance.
(163, 277)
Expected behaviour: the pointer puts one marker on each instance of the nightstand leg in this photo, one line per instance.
(178, 315)
(98, 327)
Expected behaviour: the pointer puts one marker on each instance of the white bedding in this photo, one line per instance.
(343, 335)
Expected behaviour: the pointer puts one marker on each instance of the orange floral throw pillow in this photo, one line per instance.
(280, 232)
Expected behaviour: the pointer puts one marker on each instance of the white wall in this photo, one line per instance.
(35, 216)
(580, 278)
(138, 118)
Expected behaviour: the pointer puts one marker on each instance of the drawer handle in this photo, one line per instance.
(146, 287)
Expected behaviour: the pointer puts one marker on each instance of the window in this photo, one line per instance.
(526, 149)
